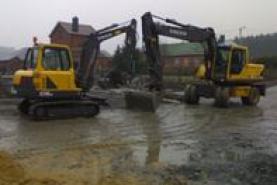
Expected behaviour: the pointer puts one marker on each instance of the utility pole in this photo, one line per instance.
(241, 29)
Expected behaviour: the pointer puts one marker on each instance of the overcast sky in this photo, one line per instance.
(22, 19)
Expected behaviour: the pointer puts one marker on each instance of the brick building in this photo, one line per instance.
(10, 66)
(181, 58)
(75, 35)
(104, 62)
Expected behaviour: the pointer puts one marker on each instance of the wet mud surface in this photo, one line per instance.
(179, 144)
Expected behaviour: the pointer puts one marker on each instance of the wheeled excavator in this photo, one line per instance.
(226, 71)
(50, 86)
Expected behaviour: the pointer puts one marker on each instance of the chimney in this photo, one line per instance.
(75, 24)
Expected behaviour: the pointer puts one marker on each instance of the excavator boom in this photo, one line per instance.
(171, 28)
(85, 74)
(151, 30)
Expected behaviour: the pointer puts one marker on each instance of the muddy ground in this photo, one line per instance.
(178, 145)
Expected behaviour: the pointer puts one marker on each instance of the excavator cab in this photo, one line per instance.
(48, 72)
(232, 64)
(221, 63)
(238, 61)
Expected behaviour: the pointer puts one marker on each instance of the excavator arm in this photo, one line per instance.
(91, 48)
(170, 28)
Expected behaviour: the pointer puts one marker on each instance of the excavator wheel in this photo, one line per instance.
(90, 111)
(40, 112)
(24, 106)
(191, 97)
(253, 98)
(222, 96)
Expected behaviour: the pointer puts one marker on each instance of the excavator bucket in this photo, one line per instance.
(142, 100)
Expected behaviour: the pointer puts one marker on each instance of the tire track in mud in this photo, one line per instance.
(169, 130)
(127, 126)
(170, 125)
(213, 136)
(118, 129)
(124, 128)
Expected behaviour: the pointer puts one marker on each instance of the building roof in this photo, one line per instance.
(181, 49)
(84, 29)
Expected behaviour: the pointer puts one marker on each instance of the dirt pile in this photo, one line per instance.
(39, 182)
(81, 166)
(88, 165)
(120, 180)
(10, 171)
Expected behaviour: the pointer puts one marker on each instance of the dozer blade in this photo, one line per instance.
(143, 101)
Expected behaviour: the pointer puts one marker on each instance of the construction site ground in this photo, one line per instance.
(178, 145)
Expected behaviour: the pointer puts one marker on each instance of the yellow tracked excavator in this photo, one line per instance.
(52, 88)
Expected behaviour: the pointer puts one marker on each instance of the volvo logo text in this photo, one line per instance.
(178, 32)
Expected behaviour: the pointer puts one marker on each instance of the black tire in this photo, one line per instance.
(24, 106)
(253, 98)
(222, 96)
(191, 96)
(91, 111)
(40, 113)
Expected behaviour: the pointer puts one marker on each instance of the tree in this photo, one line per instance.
(123, 62)
(120, 61)
(260, 45)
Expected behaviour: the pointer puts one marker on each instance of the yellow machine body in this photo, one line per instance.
(249, 73)
(240, 91)
(40, 79)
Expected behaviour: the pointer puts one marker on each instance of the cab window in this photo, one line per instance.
(31, 58)
(238, 61)
(65, 60)
(56, 59)
(221, 62)
(223, 56)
